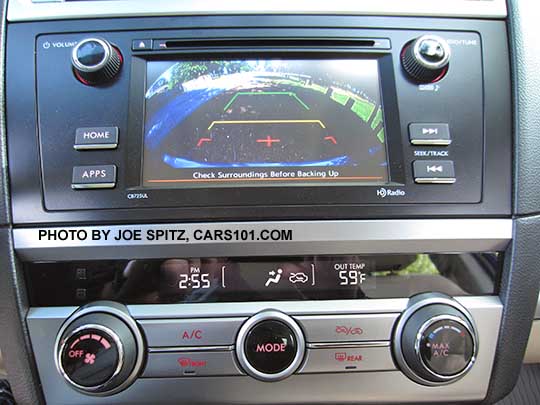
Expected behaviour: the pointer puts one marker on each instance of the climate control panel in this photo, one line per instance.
(102, 350)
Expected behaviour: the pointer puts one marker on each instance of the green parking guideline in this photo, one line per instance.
(265, 93)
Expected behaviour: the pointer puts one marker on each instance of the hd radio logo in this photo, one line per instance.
(386, 192)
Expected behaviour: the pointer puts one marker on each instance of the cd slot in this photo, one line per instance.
(365, 43)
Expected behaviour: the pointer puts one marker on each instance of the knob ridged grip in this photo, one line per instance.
(95, 61)
(426, 59)
(438, 343)
(99, 350)
(435, 341)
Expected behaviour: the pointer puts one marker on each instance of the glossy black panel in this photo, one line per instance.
(261, 279)
(461, 100)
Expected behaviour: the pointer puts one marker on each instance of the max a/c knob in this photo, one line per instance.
(435, 341)
(426, 59)
(95, 61)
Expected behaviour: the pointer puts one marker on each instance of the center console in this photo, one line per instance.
(268, 208)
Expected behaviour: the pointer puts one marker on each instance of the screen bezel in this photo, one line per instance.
(283, 194)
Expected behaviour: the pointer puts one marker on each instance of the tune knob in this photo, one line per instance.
(435, 341)
(426, 58)
(95, 61)
(99, 349)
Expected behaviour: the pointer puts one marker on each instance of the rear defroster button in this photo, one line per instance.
(270, 346)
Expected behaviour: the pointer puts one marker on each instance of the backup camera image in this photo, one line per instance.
(272, 121)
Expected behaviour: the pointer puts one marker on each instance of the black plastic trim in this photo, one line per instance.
(525, 64)
(519, 296)
(26, 188)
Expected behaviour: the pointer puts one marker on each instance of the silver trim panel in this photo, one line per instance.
(360, 359)
(191, 349)
(431, 142)
(435, 180)
(96, 146)
(308, 237)
(197, 364)
(189, 332)
(92, 186)
(26, 10)
(351, 345)
(369, 387)
(532, 354)
(347, 328)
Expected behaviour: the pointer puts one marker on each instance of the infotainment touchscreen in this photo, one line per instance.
(251, 122)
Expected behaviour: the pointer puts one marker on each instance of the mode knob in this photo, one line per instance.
(270, 346)
(435, 341)
(426, 59)
(99, 349)
(95, 61)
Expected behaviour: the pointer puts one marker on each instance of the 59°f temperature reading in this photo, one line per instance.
(350, 273)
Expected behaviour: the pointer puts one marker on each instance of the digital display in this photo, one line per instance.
(298, 278)
(265, 121)
(211, 279)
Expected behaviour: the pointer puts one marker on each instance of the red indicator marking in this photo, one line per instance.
(340, 356)
(271, 347)
(349, 330)
(84, 337)
(74, 344)
(331, 139)
(268, 141)
(186, 362)
(75, 354)
(193, 334)
(90, 358)
(96, 337)
(105, 343)
(344, 356)
(203, 140)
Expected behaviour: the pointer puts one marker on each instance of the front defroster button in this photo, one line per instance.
(85, 177)
(190, 364)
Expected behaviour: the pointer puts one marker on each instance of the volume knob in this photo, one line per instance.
(95, 61)
(426, 59)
